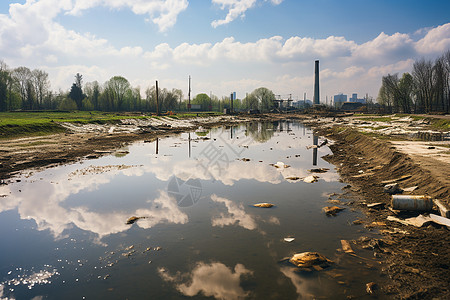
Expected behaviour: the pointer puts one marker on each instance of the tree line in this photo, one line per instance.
(425, 90)
(25, 89)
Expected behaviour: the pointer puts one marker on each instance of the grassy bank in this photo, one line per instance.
(16, 124)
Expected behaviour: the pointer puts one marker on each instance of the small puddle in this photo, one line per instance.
(197, 232)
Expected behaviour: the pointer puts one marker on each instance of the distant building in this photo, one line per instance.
(339, 99)
(354, 98)
(301, 104)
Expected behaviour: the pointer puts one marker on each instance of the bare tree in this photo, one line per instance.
(423, 80)
(41, 85)
(23, 77)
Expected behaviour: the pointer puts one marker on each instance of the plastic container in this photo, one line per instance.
(411, 202)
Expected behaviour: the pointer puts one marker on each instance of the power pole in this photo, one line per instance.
(157, 100)
(189, 94)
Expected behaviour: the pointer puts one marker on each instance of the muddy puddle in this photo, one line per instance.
(196, 232)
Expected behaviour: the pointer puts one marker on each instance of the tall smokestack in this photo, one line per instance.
(316, 83)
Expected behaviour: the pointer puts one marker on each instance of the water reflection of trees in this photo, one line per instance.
(260, 132)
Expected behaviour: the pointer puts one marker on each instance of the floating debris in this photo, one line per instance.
(311, 179)
(289, 239)
(310, 259)
(346, 247)
(280, 165)
(371, 287)
(263, 205)
(319, 170)
(294, 178)
(332, 210)
(133, 219)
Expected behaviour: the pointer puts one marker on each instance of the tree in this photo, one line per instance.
(119, 86)
(423, 80)
(41, 85)
(202, 99)
(76, 92)
(4, 77)
(22, 77)
(265, 98)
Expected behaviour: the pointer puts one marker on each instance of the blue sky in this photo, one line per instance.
(225, 45)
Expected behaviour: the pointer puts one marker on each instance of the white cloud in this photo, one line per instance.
(236, 9)
(235, 214)
(163, 13)
(212, 280)
(436, 41)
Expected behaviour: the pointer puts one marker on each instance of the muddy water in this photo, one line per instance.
(64, 234)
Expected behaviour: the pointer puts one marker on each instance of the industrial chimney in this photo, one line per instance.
(316, 83)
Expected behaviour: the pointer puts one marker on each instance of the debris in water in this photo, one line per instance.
(310, 179)
(133, 219)
(293, 178)
(310, 259)
(346, 247)
(280, 165)
(289, 239)
(319, 170)
(332, 210)
(263, 205)
(371, 287)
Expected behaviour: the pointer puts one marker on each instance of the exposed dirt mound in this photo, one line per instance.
(417, 259)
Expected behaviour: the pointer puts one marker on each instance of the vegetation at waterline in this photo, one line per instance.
(47, 122)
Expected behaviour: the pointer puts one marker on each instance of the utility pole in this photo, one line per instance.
(231, 103)
(189, 94)
(157, 101)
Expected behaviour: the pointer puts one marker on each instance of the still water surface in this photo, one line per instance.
(64, 234)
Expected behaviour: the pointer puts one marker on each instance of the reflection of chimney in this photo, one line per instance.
(316, 83)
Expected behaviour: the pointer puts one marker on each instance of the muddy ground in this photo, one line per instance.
(416, 259)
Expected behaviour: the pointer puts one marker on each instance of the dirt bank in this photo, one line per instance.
(417, 260)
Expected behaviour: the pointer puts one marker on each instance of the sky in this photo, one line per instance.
(225, 45)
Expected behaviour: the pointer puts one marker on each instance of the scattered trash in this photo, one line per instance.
(263, 205)
(410, 202)
(401, 178)
(392, 189)
(280, 165)
(293, 178)
(358, 222)
(310, 259)
(418, 221)
(319, 170)
(133, 219)
(410, 189)
(375, 205)
(440, 220)
(332, 210)
(310, 179)
(371, 287)
(334, 201)
(346, 247)
(245, 159)
(289, 239)
(443, 210)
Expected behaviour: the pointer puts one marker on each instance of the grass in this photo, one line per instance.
(16, 124)
(13, 124)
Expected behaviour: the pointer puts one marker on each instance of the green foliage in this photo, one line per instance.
(68, 104)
